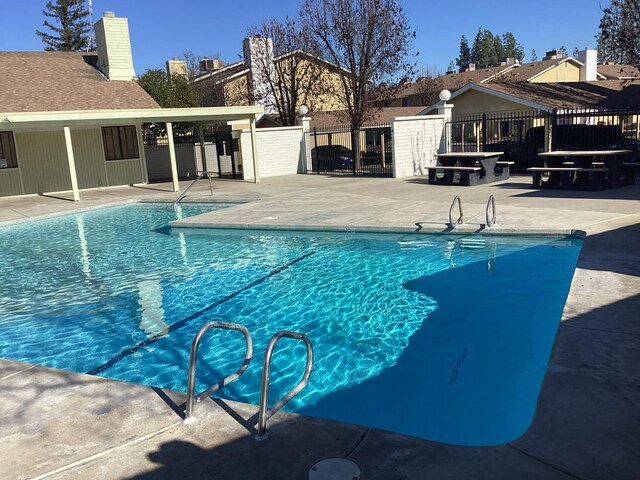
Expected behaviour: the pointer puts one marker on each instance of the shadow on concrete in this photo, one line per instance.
(615, 251)
(55, 197)
(631, 192)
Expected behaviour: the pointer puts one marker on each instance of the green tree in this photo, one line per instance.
(464, 58)
(483, 51)
(511, 47)
(534, 55)
(174, 92)
(71, 29)
(619, 37)
(490, 49)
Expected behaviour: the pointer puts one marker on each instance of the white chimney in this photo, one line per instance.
(114, 47)
(589, 70)
(472, 67)
(258, 58)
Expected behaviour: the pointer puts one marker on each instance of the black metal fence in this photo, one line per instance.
(522, 135)
(332, 151)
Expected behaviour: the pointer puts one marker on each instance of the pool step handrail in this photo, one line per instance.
(265, 413)
(192, 398)
(491, 204)
(460, 219)
(186, 190)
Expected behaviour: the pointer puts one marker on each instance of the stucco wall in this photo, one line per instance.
(280, 152)
(416, 141)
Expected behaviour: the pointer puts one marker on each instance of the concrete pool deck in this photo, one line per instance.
(58, 424)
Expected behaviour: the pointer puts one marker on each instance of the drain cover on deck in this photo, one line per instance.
(335, 469)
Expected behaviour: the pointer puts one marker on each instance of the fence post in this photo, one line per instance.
(315, 145)
(484, 132)
(553, 131)
(355, 147)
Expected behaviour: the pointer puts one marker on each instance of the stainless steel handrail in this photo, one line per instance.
(266, 413)
(460, 219)
(192, 398)
(186, 190)
(491, 203)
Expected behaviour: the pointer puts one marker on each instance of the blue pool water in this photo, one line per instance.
(441, 337)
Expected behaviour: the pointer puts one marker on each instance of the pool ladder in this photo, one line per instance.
(265, 412)
(186, 190)
(490, 212)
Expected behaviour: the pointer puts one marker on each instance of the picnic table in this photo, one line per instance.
(584, 170)
(469, 168)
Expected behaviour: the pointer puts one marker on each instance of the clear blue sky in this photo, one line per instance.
(161, 29)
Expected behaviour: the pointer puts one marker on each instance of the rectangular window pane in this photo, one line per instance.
(120, 143)
(8, 157)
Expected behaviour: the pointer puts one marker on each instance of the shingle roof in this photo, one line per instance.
(511, 73)
(601, 94)
(339, 118)
(619, 71)
(59, 81)
(529, 70)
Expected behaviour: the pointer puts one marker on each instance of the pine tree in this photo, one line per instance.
(534, 55)
(619, 38)
(483, 51)
(464, 59)
(70, 35)
(511, 47)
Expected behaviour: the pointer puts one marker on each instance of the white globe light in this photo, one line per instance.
(445, 95)
(303, 110)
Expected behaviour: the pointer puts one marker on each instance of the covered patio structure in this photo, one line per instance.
(43, 152)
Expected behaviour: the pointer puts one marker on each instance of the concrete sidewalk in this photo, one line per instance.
(58, 424)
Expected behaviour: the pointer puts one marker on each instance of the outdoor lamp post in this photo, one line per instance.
(445, 95)
(303, 110)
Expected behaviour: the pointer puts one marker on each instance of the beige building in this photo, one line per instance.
(246, 83)
(72, 121)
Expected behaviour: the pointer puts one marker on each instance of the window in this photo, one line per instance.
(120, 143)
(8, 157)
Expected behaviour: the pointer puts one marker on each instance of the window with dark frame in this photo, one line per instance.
(8, 158)
(120, 143)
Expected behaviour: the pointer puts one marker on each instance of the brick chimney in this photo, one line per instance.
(589, 69)
(113, 46)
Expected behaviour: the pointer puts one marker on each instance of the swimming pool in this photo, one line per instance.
(441, 337)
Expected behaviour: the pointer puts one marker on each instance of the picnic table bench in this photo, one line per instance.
(469, 168)
(583, 170)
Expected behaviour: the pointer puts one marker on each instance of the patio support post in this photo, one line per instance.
(172, 158)
(72, 164)
(254, 150)
(203, 151)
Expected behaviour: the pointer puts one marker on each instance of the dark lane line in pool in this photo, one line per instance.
(173, 327)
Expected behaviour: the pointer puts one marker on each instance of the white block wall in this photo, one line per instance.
(280, 152)
(416, 141)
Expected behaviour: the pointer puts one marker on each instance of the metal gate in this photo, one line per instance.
(332, 151)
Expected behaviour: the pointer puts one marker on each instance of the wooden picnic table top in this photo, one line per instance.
(470, 154)
(583, 153)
